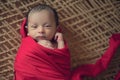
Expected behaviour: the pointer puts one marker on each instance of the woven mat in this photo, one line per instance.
(87, 26)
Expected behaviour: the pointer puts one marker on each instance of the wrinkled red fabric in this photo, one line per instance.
(101, 64)
(35, 62)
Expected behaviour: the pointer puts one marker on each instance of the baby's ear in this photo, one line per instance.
(27, 34)
(26, 26)
(26, 30)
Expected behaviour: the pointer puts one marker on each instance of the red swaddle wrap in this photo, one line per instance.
(35, 62)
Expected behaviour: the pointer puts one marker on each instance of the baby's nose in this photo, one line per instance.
(40, 29)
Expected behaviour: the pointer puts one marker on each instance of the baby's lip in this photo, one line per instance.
(41, 37)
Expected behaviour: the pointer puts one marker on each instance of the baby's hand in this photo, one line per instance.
(60, 40)
(58, 37)
(45, 43)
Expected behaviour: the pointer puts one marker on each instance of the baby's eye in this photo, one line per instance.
(34, 26)
(47, 25)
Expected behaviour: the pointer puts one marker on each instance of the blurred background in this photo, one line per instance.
(87, 26)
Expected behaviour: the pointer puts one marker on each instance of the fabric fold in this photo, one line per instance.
(101, 64)
(35, 59)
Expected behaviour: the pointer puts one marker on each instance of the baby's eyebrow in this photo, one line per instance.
(46, 23)
(33, 23)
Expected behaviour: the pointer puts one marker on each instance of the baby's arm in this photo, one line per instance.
(59, 39)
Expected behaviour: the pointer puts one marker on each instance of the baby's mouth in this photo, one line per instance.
(41, 37)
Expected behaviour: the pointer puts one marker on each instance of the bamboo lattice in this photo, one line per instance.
(87, 26)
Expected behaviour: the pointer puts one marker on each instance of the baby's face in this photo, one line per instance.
(41, 25)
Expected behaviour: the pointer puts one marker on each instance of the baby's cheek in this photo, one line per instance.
(50, 36)
(32, 35)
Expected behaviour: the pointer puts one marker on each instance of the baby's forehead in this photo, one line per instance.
(38, 11)
(41, 14)
(41, 17)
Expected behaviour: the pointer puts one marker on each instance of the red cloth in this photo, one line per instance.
(101, 64)
(35, 62)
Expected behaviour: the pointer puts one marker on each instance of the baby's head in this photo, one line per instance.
(43, 7)
(42, 22)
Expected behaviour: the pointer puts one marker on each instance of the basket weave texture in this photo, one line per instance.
(87, 26)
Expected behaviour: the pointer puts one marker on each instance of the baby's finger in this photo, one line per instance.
(56, 36)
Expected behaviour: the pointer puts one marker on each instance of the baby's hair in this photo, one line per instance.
(43, 7)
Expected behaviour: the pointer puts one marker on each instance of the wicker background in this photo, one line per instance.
(87, 25)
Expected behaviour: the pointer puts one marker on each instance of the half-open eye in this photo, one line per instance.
(47, 25)
(34, 26)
